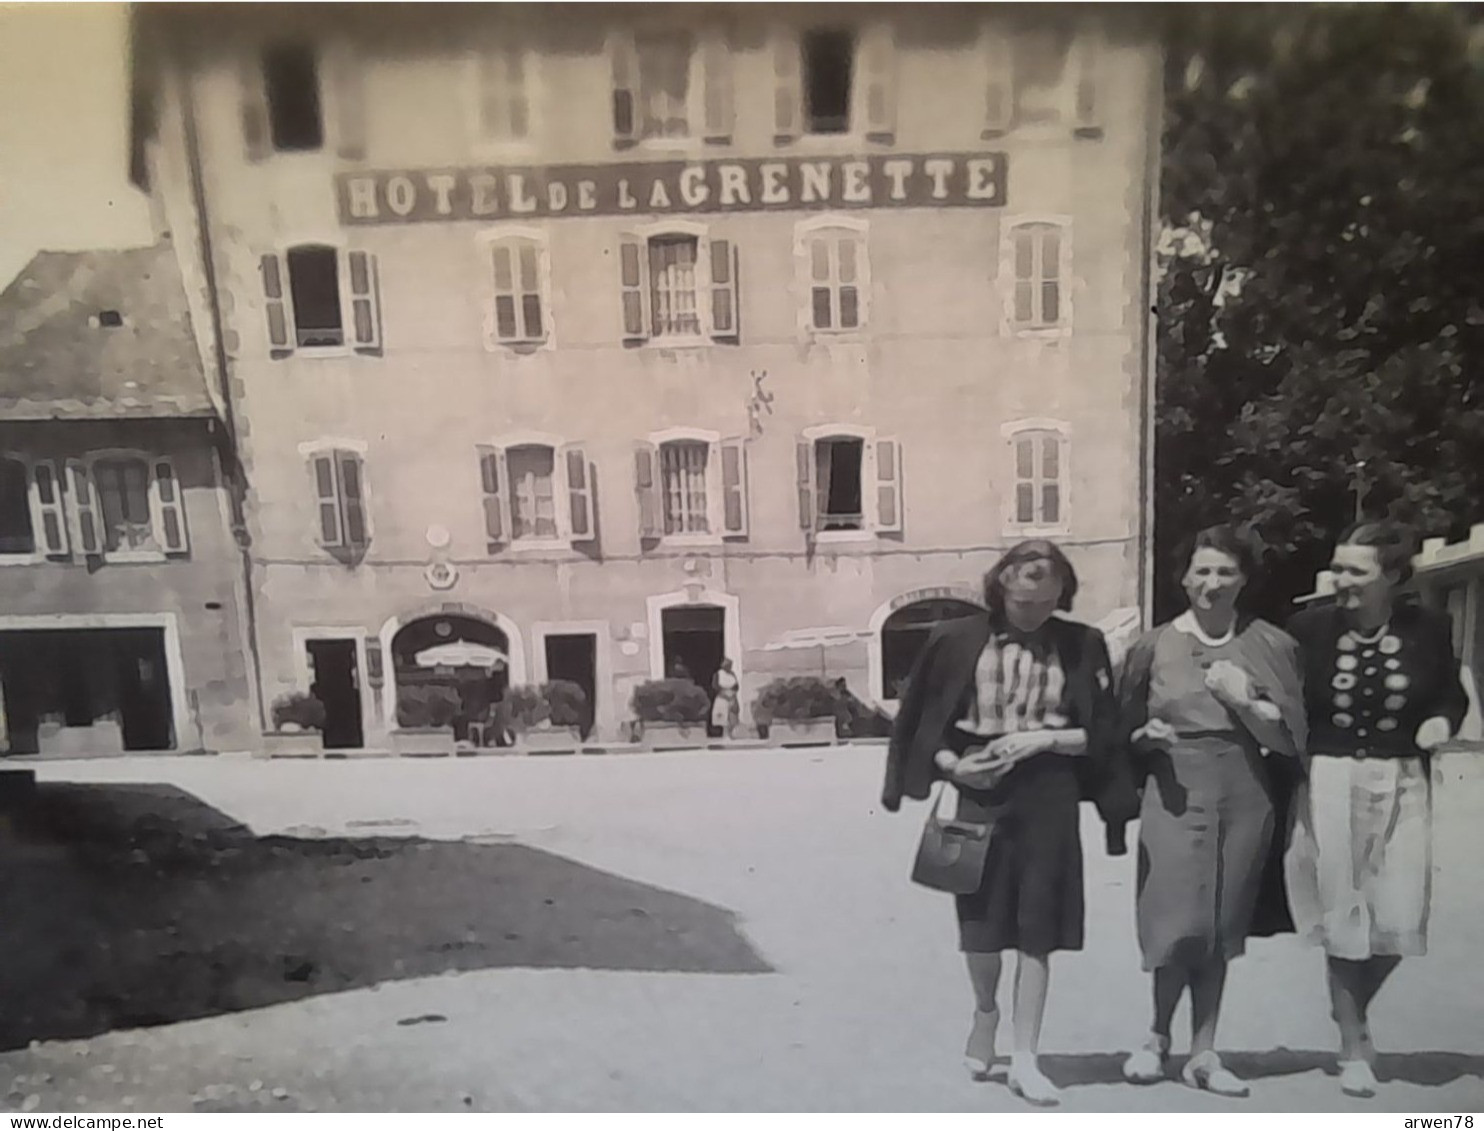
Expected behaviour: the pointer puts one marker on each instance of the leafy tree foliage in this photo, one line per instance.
(1321, 297)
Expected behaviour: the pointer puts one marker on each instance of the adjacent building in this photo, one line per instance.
(119, 576)
(610, 339)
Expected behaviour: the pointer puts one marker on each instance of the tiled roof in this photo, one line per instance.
(57, 361)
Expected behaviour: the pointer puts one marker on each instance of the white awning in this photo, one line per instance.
(462, 654)
(828, 637)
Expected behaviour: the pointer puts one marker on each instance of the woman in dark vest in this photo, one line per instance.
(1016, 709)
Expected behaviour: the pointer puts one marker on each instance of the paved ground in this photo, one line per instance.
(859, 1001)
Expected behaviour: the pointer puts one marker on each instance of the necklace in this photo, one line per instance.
(1363, 638)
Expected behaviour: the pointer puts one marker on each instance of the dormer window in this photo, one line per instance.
(110, 318)
(291, 81)
(829, 59)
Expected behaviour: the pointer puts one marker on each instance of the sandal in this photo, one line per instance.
(1150, 1064)
(1205, 1072)
(1029, 1083)
(1357, 1079)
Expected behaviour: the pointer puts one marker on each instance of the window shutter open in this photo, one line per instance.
(788, 87)
(168, 507)
(724, 321)
(580, 494)
(360, 275)
(718, 98)
(999, 82)
(888, 487)
(279, 310)
(632, 273)
(353, 496)
(879, 83)
(1086, 74)
(646, 488)
(86, 533)
(327, 499)
(806, 485)
(495, 485)
(734, 488)
(51, 515)
(254, 96)
(346, 83)
(625, 64)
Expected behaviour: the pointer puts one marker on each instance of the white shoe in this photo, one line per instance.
(1357, 1079)
(1206, 1072)
(979, 1052)
(1029, 1083)
(1150, 1064)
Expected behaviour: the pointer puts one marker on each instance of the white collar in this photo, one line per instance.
(1187, 624)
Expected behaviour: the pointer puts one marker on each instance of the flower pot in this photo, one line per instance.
(293, 744)
(423, 742)
(102, 736)
(550, 740)
(674, 736)
(802, 732)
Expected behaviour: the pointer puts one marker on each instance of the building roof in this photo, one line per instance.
(61, 358)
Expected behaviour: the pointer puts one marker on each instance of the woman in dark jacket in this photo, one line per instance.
(1018, 687)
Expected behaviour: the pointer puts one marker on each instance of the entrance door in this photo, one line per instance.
(143, 689)
(695, 637)
(574, 658)
(337, 685)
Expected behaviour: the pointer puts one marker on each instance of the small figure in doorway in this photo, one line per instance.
(724, 706)
(679, 670)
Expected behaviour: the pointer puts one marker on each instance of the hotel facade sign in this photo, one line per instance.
(942, 180)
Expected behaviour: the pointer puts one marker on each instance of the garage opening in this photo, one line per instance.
(85, 691)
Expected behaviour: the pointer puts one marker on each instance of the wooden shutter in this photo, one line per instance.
(346, 83)
(580, 494)
(724, 320)
(365, 313)
(353, 498)
(718, 111)
(888, 487)
(788, 87)
(633, 279)
(734, 519)
(169, 508)
(1086, 75)
(646, 488)
(51, 514)
(254, 97)
(87, 535)
(879, 83)
(625, 63)
(279, 309)
(495, 485)
(327, 500)
(807, 486)
(999, 81)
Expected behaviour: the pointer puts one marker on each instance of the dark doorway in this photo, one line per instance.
(695, 636)
(575, 658)
(79, 677)
(337, 685)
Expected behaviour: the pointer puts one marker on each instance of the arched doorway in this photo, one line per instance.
(466, 656)
(905, 632)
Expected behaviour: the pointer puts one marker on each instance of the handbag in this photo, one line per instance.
(952, 852)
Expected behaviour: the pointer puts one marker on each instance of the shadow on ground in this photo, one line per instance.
(131, 905)
(1429, 1069)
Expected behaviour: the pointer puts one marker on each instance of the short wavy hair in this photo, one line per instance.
(1242, 547)
(1033, 550)
(1395, 544)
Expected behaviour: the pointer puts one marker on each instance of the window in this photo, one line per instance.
(536, 494)
(124, 505)
(17, 535)
(503, 99)
(1039, 76)
(692, 485)
(1038, 255)
(110, 319)
(683, 487)
(1040, 67)
(123, 497)
(340, 495)
(318, 297)
(833, 269)
(291, 81)
(829, 60)
(678, 286)
(672, 84)
(518, 271)
(1039, 478)
(664, 63)
(849, 483)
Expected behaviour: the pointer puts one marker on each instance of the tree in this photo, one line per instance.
(1321, 296)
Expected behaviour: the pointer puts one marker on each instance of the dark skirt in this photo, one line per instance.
(1030, 899)
(1205, 835)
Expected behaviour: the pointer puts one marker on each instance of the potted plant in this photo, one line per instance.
(673, 713)
(798, 711)
(425, 721)
(298, 719)
(547, 718)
